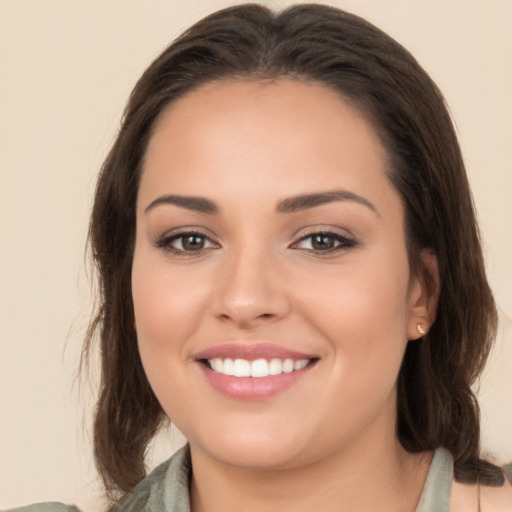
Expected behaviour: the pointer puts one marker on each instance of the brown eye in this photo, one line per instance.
(193, 242)
(322, 242)
(186, 243)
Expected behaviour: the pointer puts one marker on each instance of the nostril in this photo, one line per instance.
(225, 316)
(244, 305)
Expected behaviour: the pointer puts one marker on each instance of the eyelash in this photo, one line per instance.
(343, 242)
(165, 243)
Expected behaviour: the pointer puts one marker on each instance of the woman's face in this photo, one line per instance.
(269, 239)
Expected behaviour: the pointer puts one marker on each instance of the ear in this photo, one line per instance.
(423, 295)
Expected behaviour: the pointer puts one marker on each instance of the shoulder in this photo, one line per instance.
(166, 484)
(140, 498)
(45, 507)
(465, 498)
(497, 499)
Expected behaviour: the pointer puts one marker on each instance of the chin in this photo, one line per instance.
(273, 447)
(260, 456)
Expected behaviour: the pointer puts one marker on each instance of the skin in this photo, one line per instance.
(471, 497)
(328, 442)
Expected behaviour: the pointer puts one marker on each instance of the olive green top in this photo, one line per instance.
(165, 489)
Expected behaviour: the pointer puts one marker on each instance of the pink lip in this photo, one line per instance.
(250, 352)
(251, 388)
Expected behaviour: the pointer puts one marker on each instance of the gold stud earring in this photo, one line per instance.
(421, 330)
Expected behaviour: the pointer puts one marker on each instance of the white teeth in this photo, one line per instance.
(298, 365)
(256, 368)
(275, 367)
(242, 368)
(259, 368)
(229, 367)
(288, 366)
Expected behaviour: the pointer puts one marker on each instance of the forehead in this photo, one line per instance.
(293, 105)
(284, 136)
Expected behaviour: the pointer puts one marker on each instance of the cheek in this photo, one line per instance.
(362, 312)
(166, 307)
(367, 298)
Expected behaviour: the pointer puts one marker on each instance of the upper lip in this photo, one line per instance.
(250, 352)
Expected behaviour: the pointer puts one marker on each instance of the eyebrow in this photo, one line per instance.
(306, 201)
(198, 204)
(289, 205)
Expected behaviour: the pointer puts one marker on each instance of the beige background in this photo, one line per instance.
(66, 70)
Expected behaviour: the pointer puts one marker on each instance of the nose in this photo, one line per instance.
(251, 290)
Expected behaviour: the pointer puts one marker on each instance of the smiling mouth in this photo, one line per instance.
(256, 368)
(253, 371)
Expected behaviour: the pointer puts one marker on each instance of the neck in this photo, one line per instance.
(378, 475)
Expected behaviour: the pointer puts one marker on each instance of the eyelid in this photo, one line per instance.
(346, 240)
(164, 241)
(324, 229)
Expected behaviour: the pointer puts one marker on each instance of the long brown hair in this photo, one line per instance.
(436, 406)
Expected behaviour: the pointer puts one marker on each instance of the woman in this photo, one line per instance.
(291, 272)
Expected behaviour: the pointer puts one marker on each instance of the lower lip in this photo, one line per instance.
(253, 388)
